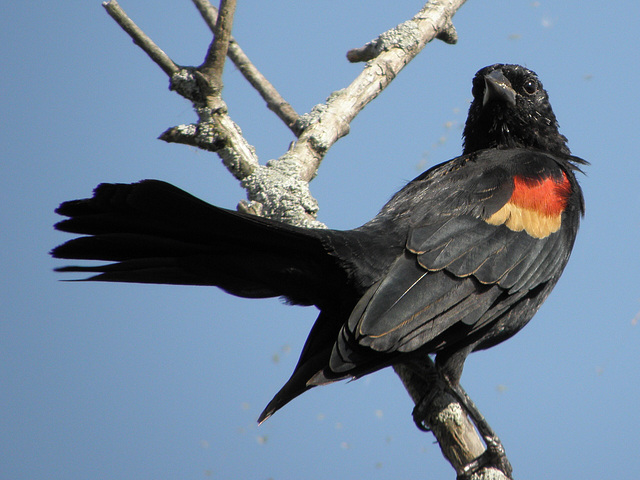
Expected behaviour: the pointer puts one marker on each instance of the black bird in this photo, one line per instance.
(458, 260)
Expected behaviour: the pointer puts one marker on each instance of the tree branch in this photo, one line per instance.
(216, 133)
(397, 47)
(221, 135)
(275, 102)
(213, 65)
(139, 38)
(445, 418)
(447, 33)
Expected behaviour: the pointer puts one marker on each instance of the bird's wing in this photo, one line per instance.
(486, 230)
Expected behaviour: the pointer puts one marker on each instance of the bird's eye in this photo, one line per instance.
(531, 87)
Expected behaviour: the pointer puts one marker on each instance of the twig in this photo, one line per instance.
(213, 65)
(275, 102)
(140, 38)
(221, 135)
(365, 53)
(447, 33)
(208, 12)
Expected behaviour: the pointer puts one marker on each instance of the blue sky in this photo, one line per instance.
(163, 382)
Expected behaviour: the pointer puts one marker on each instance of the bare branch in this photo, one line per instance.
(447, 33)
(208, 12)
(217, 133)
(275, 102)
(220, 135)
(398, 46)
(213, 65)
(365, 53)
(140, 38)
(446, 418)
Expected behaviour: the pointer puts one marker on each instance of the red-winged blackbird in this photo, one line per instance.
(458, 260)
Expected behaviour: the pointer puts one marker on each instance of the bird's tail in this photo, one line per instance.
(157, 233)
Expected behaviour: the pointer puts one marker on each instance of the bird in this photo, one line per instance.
(459, 260)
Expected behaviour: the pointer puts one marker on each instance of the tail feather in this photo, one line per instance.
(160, 234)
(153, 207)
(298, 383)
(153, 232)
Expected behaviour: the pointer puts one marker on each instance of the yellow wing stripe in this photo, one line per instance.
(516, 218)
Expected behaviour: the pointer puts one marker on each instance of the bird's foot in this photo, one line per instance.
(494, 456)
(419, 412)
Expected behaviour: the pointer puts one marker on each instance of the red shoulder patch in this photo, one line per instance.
(536, 206)
(546, 196)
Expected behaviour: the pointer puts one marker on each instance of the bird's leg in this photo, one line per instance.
(443, 407)
(494, 455)
(430, 382)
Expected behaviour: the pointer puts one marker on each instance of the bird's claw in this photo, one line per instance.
(420, 424)
(419, 412)
(494, 456)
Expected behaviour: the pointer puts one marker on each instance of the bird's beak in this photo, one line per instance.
(498, 88)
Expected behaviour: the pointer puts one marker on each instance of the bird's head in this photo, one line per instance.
(510, 108)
